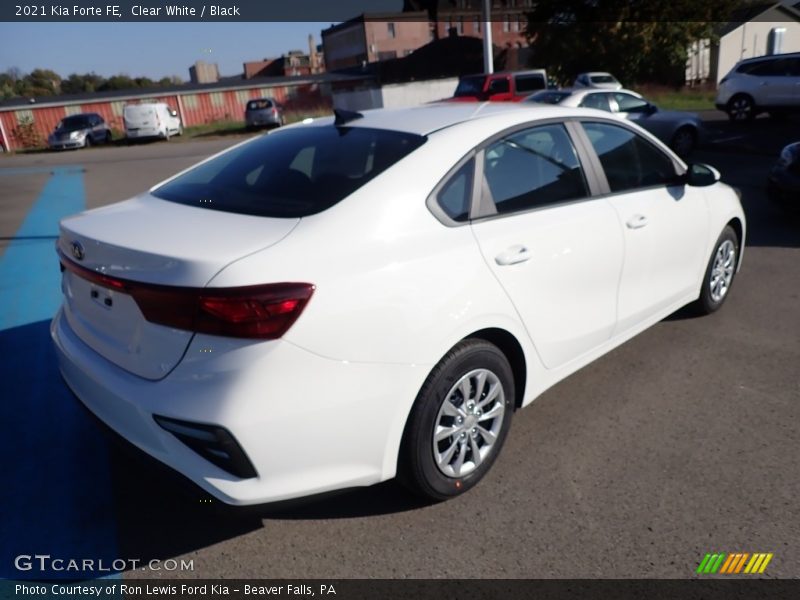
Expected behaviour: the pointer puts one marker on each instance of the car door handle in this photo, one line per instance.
(514, 255)
(636, 222)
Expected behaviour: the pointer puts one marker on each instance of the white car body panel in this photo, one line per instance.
(566, 292)
(150, 120)
(325, 406)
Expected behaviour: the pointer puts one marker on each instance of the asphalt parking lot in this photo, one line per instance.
(681, 442)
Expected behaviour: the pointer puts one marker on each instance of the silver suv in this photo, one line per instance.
(755, 85)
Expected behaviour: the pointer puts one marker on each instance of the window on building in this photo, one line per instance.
(391, 30)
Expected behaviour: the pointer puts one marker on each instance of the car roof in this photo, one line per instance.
(587, 91)
(429, 118)
(769, 57)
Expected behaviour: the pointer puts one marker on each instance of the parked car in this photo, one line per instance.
(79, 131)
(263, 112)
(597, 80)
(755, 85)
(681, 131)
(500, 87)
(151, 120)
(373, 295)
(784, 178)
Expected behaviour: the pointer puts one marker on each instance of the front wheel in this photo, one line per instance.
(459, 421)
(720, 272)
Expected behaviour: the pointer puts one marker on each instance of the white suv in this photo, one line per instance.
(755, 85)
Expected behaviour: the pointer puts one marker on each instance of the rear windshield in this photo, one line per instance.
(470, 86)
(548, 97)
(291, 173)
(259, 104)
(603, 79)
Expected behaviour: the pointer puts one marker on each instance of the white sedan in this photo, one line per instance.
(344, 301)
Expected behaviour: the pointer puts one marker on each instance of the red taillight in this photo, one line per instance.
(257, 311)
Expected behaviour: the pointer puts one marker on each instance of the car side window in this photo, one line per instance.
(629, 160)
(455, 195)
(530, 83)
(498, 86)
(532, 168)
(599, 101)
(629, 103)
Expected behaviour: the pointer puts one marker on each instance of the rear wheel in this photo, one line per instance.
(459, 421)
(741, 108)
(720, 272)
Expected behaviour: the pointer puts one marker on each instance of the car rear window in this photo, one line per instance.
(291, 173)
(470, 86)
(530, 83)
(259, 104)
(548, 97)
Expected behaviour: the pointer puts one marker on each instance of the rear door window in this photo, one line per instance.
(291, 173)
(532, 168)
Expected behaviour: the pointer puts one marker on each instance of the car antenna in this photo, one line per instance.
(345, 116)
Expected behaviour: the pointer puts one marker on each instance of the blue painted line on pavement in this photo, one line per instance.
(55, 496)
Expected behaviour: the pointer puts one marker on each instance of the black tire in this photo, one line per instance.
(108, 137)
(418, 469)
(710, 299)
(88, 141)
(741, 108)
(684, 141)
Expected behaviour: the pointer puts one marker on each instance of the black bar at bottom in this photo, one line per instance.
(732, 588)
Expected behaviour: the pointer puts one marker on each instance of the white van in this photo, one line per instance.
(151, 120)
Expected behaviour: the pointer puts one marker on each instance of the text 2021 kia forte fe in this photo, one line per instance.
(348, 300)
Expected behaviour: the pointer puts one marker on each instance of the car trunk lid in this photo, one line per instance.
(149, 241)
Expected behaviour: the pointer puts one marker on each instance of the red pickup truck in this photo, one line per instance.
(500, 87)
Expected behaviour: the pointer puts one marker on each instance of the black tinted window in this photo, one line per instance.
(74, 123)
(599, 101)
(291, 173)
(629, 160)
(530, 83)
(533, 167)
(454, 197)
(548, 97)
(469, 86)
(499, 86)
(629, 103)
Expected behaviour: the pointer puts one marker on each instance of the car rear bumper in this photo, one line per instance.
(307, 424)
(145, 132)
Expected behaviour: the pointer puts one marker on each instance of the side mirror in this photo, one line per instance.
(651, 108)
(700, 175)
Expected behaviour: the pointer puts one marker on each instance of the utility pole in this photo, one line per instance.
(488, 57)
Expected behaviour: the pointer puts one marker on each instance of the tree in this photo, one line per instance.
(637, 40)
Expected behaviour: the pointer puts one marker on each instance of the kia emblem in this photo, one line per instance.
(77, 251)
